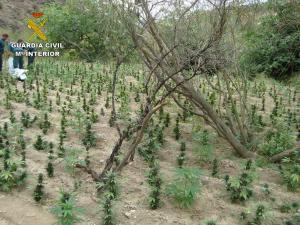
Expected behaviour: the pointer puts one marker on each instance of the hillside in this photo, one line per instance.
(152, 113)
(14, 12)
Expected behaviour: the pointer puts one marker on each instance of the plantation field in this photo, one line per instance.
(62, 116)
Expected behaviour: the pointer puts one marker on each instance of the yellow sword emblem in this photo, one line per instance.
(37, 29)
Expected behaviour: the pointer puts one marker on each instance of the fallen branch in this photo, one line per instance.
(288, 153)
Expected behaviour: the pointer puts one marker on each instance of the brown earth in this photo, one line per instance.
(13, 13)
(19, 208)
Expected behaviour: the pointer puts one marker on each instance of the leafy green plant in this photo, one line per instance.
(185, 186)
(160, 135)
(150, 147)
(61, 148)
(203, 145)
(277, 141)
(155, 182)
(66, 210)
(63, 124)
(21, 144)
(295, 217)
(293, 181)
(109, 184)
(40, 144)
(38, 191)
(290, 170)
(13, 174)
(89, 139)
(259, 215)
(167, 120)
(181, 157)
(71, 158)
(108, 218)
(240, 187)
(45, 124)
(176, 129)
(273, 46)
(50, 169)
(26, 119)
(12, 117)
(210, 222)
(111, 192)
(215, 168)
(295, 220)
(266, 190)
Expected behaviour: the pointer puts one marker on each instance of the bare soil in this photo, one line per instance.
(19, 208)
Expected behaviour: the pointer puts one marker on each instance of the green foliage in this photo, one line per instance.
(167, 120)
(181, 157)
(295, 220)
(259, 216)
(289, 207)
(63, 123)
(277, 141)
(71, 159)
(203, 145)
(124, 109)
(150, 147)
(240, 187)
(185, 186)
(66, 210)
(89, 139)
(108, 218)
(256, 120)
(45, 124)
(155, 183)
(50, 169)
(210, 222)
(40, 144)
(293, 180)
(21, 141)
(38, 191)
(12, 177)
(96, 30)
(274, 45)
(110, 184)
(294, 209)
(12, 117)
(215, 168)
(176, 129)
(266, 190)
(111, 192)
(13, 173)
(290, 170)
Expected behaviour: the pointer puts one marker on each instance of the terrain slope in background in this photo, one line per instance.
(13, 13)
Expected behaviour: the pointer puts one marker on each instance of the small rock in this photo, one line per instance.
(129, 214)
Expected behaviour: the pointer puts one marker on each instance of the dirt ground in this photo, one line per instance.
(131, 208)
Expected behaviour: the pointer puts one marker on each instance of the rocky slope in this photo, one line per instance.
(13, 13)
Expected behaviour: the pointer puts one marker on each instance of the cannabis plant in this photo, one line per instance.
(38, 191)
(185, 186)
(66, 210)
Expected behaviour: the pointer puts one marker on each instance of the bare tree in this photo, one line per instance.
(175, 65)
(179, 61)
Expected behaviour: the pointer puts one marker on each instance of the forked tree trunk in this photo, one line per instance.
(220, 125)
(163, 61)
